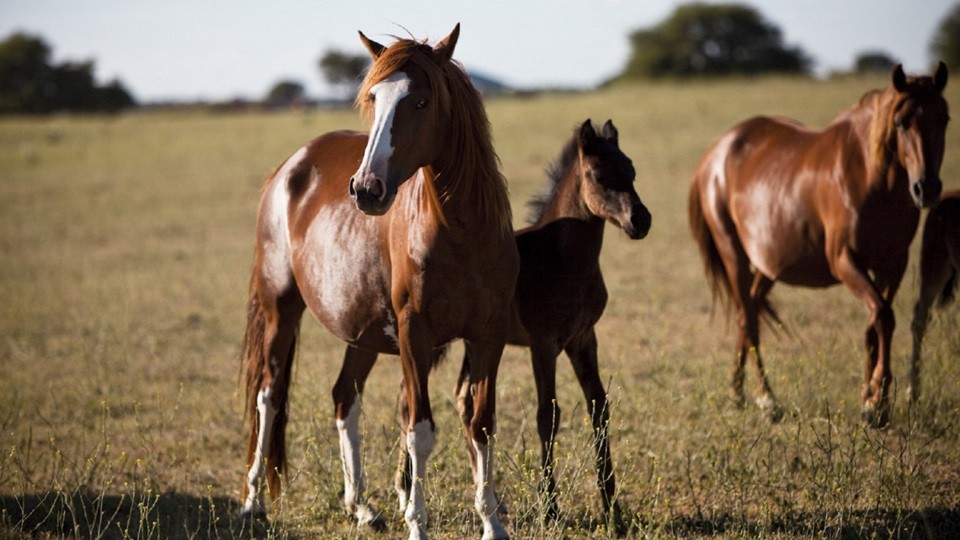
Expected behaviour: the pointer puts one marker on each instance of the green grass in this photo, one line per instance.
(125, 250)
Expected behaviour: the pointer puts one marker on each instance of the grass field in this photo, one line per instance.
(125, 251)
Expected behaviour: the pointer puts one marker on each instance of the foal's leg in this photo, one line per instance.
(543, 355)
(583, 358)
(347, 392)
(484, 361)
(267, 371)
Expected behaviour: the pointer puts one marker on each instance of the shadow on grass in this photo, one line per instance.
(91, 515)
(881, 523)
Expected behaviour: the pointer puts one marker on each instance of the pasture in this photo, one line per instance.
(125, 253)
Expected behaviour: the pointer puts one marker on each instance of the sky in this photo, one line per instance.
(219, 49)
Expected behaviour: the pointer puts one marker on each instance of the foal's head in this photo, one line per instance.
(406, 93)
(606, 176)
(919, 117)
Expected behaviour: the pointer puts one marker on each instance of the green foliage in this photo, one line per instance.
(285, 93)
(945, 44)
(874, 62)
(712, 39)
(343, 69)
(30, 84)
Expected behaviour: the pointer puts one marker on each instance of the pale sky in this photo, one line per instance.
(220, 49)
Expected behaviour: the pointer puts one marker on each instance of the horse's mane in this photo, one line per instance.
(476, 173)
(555, 173)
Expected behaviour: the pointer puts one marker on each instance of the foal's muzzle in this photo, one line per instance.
(640, 220)
(926, 192)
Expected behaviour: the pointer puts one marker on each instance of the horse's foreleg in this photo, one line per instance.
(416, 354)
(876, 406)
(347, 393)
(484, 362)
(543, 355)
(583, 358)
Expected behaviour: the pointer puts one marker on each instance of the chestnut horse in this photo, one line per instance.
(939, 266)
(430, 258)
(560, 292)
(773, 201)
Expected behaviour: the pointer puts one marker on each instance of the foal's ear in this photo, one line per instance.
(444, 49)
(940, 77)
(587, 134)
(899, 78)
(610, 132)
(375, 48)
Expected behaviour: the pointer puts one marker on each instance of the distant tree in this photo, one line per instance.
(712, 39)
(945, 44)
(285, 93)
(874, 62)
(343, 70)
(30, 84)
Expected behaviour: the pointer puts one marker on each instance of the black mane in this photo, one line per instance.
(555, 173)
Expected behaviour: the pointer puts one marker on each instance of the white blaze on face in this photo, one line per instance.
(387, 94)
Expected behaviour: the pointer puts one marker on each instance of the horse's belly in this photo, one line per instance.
(344, 285)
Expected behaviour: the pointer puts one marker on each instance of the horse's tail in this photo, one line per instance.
(716, 272)
(254, 368)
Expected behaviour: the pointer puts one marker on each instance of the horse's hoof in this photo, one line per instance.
(615, 521)
(252, 523)
(913, 393)
(875, 417)
(770, 408)
(368, 516)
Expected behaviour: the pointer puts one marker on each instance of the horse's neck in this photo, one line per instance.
(880, 173)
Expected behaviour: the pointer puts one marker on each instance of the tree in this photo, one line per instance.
(712, 39)
(285, 93)
(30, 84)
(343, 70)
(874, 62)
(945, 44)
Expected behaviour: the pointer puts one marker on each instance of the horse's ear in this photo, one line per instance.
(610, 132)
(587, 134)
(899, 78)
(444, 48)
(940, 77)
(375, 48)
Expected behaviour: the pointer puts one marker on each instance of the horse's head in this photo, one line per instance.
(607, 176)
(920, 119)
(403, 92)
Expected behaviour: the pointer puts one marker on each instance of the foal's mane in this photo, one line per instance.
(475, 173)
(555, 173)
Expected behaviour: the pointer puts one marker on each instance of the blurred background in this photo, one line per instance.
(113, 54)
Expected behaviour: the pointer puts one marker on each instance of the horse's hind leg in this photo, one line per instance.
(270, 346)
(583, 358)
(752, 289)
(935, 273)
(347, 392)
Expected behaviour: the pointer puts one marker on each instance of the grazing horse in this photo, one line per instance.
(939, 266)
(774, 201)
(431, 258)
(560, 292)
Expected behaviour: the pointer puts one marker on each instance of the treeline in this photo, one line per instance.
(31, 84)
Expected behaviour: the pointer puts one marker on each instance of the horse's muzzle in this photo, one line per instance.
(370, 196)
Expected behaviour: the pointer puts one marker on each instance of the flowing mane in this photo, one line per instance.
(555, 172)
(476, 174)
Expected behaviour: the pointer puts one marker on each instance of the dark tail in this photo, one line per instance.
(713, 265)
(254, 361)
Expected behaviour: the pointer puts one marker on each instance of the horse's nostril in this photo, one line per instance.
(917, 189)
(377, 189)
(353, 191)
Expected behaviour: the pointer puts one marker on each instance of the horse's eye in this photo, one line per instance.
(422, 104)
(371, 97)
(898, 122)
